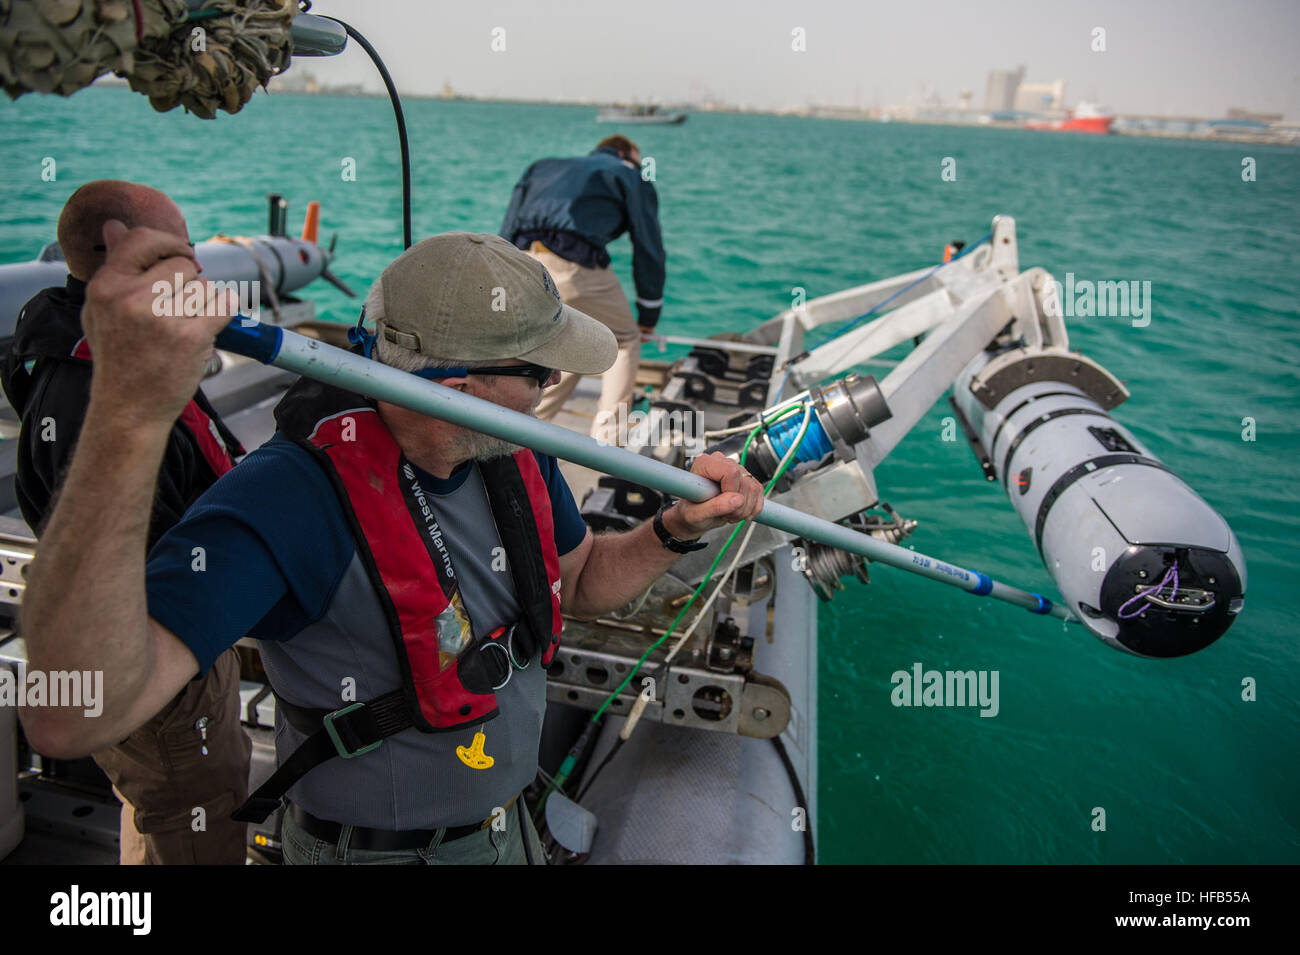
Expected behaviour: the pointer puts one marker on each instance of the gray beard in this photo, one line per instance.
(484, 447)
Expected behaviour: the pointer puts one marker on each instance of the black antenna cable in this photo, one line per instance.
(401, 126)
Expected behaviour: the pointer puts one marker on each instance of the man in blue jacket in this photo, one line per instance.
(563, 213)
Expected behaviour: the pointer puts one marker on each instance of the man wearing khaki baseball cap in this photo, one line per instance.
(404, 577)
(478, 298)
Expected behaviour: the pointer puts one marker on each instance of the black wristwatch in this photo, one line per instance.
(668, 540)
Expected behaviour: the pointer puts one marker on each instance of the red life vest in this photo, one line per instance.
(202, 428)
(407, 568)
(365, 465)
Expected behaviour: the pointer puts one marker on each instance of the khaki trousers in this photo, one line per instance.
(177, 801)
(596, 292)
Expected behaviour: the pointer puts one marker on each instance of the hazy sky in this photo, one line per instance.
(1176, 58)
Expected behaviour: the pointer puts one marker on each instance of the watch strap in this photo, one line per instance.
(670, 542)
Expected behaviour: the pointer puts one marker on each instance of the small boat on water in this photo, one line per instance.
(638, 115)
(1085, 118)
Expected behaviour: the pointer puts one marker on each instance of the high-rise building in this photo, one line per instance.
(1007, 90)
(1000, 93)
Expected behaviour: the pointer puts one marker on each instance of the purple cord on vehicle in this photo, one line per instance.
(1172, 572)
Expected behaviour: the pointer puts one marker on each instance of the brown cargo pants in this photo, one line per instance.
(177, 800)
(596, 292)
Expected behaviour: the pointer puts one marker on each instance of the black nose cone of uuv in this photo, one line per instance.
(1157, 618)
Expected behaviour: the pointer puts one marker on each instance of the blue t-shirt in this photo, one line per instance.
(261, 552)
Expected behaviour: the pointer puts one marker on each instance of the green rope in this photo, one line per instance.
(570, 760)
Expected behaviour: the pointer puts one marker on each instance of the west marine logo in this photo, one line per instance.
(430, 521)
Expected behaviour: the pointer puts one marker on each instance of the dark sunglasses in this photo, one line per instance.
(538, 373)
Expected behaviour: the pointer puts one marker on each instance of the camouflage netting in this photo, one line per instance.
(239, 51)
(203, 64)
(60, 46)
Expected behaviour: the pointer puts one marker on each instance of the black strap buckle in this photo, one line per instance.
(350, 737)
(349, 732)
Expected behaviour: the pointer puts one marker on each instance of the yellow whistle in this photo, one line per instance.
(473, 755)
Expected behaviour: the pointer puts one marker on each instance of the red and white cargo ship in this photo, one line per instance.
(1086, 118)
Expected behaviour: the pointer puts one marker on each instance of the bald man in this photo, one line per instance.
(193, 754)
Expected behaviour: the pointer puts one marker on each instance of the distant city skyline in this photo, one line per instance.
(1196, 58)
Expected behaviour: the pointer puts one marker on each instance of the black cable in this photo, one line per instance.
(401, 127)
(809, 847)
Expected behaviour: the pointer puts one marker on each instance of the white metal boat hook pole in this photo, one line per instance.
(276, 346)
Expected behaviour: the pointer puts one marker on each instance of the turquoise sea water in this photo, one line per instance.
(752, 206)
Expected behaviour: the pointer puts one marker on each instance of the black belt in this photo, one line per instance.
(381, 840)
(567, 245)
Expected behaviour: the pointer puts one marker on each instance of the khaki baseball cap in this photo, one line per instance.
(470, 297)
